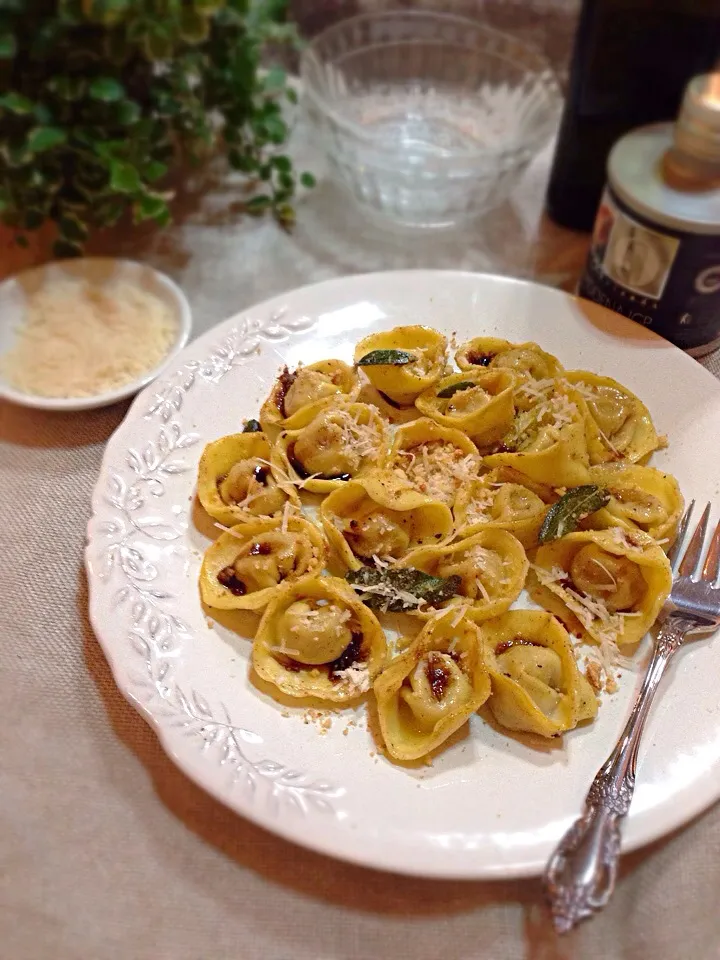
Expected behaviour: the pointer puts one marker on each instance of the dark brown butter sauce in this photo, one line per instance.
(480, 359)
(284, 381)
(260, 474)
(260, 550)
(229, 579)
(350, 656)
(303, 473)
(438, 676)
(515, 642)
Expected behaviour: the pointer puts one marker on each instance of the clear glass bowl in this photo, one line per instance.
(428, 118)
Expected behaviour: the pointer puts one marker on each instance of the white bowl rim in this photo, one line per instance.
(75, 404)
(309, 55)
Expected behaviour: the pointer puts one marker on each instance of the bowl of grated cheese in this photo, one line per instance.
(80, 334)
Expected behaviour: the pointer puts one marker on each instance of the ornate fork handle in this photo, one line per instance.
(580, 875)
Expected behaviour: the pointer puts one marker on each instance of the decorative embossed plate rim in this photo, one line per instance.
(491, 805)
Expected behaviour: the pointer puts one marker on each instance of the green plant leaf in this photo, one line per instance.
(127, 113)
(564, 516)
(110, 149)
(124, 177)
(274, 79)
(108, 212)
(240, 161)
(158, 47)
(106, 89)
(276, 129)
(291, 95)
(67, 88)
(282, 163)
(73, 229)
(18, 156)
(64, 249)
(153, 170)
(41, 139)
(138, 29)
(8, 46)
(285, 216)
(258, 204)
(16, 103)
(307, 180)
(150, 207)
(33, 218)
(43, 114)
(194, 27)
(109, 12)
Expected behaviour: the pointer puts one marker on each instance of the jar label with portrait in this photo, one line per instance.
(665, 279)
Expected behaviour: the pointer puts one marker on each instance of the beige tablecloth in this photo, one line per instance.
(107, 851)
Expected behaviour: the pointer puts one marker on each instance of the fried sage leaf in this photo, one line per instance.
(455, 388)
(252, 426)
(386, 358)
(564, 516)
(401, 588)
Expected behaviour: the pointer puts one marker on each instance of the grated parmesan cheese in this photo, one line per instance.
(436, 468)
(356, 676)
(81, 340)
(480, 505)
(363, 439)
(592, 613)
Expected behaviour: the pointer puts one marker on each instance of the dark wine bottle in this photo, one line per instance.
(631, 62)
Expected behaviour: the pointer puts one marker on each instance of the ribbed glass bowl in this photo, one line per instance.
(427, 118)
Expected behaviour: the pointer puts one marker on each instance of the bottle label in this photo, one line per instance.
(665, 279)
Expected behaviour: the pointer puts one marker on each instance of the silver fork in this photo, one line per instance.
(580, 876)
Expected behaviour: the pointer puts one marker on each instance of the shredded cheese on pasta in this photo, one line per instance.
(592, 613)
(436, 468)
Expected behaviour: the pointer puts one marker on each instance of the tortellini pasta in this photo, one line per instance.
(431, 689)
(491, 568)
(403, 382)
(547, 442)
(379, 516)
(430, 489)
(490, 503)
(619, 426)
(246, 564)
(641, 498)
(297, 397)
(536, 684)
(523, 358)
(606, 585)
(435, 460)
(477, 402)
(342, 441)
(316, 639)
(236, 482)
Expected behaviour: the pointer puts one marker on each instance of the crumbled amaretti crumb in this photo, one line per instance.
(593, 672)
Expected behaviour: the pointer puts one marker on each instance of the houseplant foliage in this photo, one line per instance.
(99, 99)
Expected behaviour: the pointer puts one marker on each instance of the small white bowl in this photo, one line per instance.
(99, 271)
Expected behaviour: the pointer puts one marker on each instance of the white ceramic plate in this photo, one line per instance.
(97, 270)
(489, 806)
